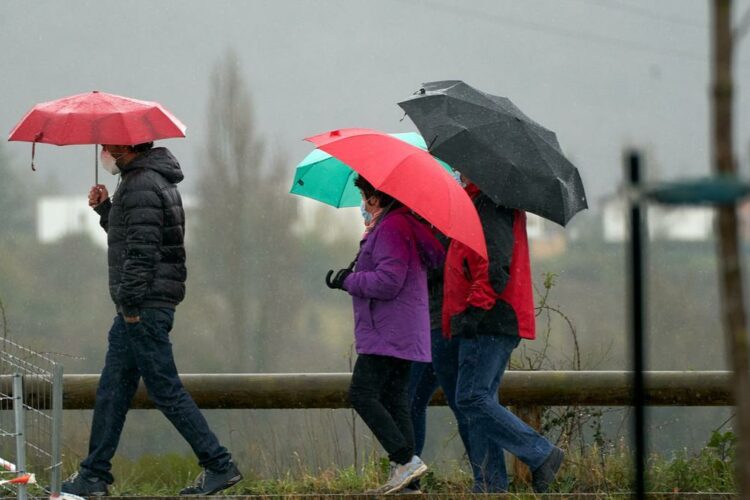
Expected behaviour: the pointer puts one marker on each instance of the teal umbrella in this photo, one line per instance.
(322, 177)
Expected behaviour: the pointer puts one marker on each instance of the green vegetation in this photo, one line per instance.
(596, 470)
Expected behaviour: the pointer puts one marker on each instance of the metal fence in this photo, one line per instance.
(30, 420)
(219, 391)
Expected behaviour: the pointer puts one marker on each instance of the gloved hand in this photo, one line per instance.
(338, 280)
(466, 324)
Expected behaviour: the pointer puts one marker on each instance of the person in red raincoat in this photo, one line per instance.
(488, 308)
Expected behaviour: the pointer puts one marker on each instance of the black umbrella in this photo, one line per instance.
(510, 157)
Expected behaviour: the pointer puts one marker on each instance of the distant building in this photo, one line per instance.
(546, 239)
(60, 216)
(665, 223)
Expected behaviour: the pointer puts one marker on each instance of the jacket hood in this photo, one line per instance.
(430, 250)
(159, 160)
(429, 247)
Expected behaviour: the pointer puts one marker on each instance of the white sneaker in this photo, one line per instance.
(381, 489)
(402, 475)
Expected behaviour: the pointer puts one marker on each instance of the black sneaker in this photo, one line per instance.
(83, 486)
(209, 482)
(543, 476)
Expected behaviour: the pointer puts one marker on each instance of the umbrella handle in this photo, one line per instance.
(37, 137)
(96, 164)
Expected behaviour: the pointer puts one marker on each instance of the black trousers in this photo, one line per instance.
(380, 395)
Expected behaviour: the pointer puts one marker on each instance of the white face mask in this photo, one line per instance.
(108, 162)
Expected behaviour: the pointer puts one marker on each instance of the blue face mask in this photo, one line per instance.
(367, 216)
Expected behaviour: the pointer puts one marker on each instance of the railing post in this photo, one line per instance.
(532, 415)
(20, 430)
(57, 420)
(637, 295)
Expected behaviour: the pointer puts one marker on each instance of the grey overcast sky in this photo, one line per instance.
(603, 74)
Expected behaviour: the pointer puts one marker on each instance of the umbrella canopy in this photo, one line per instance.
(97, 118)
(327, 179)
(510, 157)
(410, 175)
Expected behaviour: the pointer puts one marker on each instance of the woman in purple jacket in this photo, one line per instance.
(388, 285)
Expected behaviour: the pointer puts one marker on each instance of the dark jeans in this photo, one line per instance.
(492, 427)
(422, 385)
(445, 364)
(379, 394)
(143, 350)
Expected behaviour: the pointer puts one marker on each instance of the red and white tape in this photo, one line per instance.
(24, 479)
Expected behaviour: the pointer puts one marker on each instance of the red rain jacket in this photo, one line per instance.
(502, 286)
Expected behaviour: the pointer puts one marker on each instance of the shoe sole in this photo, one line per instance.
(96, 494)
(414, 475)
(228, 484)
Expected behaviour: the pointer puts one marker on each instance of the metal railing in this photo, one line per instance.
(329, 390)
(30, 417)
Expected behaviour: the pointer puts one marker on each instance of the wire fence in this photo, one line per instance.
(30, 422)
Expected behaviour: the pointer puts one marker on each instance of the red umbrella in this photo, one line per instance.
(412, 176)
(96, 118)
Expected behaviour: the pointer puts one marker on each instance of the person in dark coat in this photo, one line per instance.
(145, 225)
(488, 307)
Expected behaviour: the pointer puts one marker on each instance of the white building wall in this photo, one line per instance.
(61, 216)
(664, 223)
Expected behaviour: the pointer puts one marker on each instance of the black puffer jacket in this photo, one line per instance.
(145, 226)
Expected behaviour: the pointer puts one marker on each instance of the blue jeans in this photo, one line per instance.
(143, 350)
(492, 427)
(422, 385)
(445, 366)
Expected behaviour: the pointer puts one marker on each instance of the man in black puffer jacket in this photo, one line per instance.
(145, 226)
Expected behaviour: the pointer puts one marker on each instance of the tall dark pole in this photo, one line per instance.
(730, 274)
(637, 319)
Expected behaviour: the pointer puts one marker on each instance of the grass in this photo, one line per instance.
(606, 472)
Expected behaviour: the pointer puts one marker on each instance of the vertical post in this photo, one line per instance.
(730, 273)
(18, 411)
(637, 320)
(532, 415)
(57, 416)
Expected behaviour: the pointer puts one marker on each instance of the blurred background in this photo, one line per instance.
(251, 80)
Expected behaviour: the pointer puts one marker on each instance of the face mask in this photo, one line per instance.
(108, 162)
(367, 216)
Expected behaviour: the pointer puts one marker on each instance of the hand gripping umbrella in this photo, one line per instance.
(412, 176)
(511, 158)
(96, 118)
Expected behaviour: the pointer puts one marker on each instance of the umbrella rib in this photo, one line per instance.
(343, 191)
(530, 129)
(478, 93)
